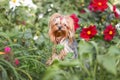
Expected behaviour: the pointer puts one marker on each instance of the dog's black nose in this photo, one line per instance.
(59, 27)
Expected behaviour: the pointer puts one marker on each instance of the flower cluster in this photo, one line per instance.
(91, 31)
(7, 55)
(14, 3)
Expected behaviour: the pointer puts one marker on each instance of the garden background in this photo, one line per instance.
(25, 44)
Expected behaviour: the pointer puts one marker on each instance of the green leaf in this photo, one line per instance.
(69, 56)
(4, 73)
(114, 50)
(59, 47)
(25, 73)
(28, 34)
(69, 63)
(10, 67)
(118, 32)
(108, 62)
(85, 47)
(95, 46)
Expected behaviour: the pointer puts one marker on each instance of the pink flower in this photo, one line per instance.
(17, 62)
(7, 49)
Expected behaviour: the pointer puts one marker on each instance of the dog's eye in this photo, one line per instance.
(65, 25)
(56, 23)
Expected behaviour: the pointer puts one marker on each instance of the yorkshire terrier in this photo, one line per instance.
(61, 31)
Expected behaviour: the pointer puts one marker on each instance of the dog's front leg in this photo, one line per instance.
(62, 54)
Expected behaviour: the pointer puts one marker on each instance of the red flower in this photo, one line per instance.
(117, 15)
(88, 33)
(109, 32)
(7, 49)
(17, 61)
(82, 11)
(98, 5)
(90, 7)
(76, 20)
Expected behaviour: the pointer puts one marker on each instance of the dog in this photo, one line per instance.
(61, 32)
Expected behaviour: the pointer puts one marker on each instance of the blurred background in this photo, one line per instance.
(24, 29)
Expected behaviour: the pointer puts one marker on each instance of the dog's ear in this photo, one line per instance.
(51, 21)
(52, 37)
(71, 28)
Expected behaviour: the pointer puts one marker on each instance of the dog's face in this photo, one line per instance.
(60, 27)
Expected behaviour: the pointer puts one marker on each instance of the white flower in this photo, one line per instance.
(117, 26)
(28, 3)
(51, 5)
(40, 16)
(13, 4)
(35, 37)
(49, 9)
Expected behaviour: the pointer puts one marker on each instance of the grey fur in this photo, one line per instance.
(70, 48)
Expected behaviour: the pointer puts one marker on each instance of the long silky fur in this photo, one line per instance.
(52, 37)
(70, 37)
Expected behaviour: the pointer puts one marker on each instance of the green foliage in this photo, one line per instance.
(59, 48)
(108, 62)
(25, 30)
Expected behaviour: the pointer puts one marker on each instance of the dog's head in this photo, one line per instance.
(61, 27)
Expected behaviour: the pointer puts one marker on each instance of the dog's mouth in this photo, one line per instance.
(60, 33)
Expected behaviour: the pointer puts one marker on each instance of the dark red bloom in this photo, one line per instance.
(109, 32)
(89, 32)
(117, 15)
(76, 20)
(82, 11)
(98, 5)
(114, 8)
(90, 7)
